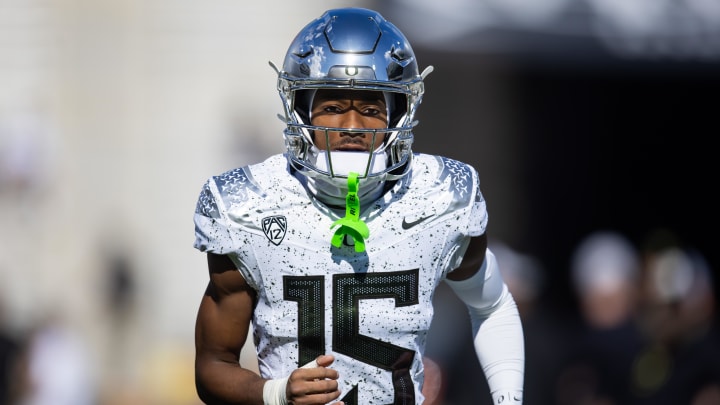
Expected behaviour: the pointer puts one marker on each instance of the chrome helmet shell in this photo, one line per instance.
(350, 48)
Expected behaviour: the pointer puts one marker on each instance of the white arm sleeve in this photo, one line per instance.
(497, 330)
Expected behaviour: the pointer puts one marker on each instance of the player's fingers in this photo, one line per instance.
(313, 374)
(326, 386)
(315, 392)
(299, 387)
(317, 369)
(311, 364)
(325, 397)
(324, 360)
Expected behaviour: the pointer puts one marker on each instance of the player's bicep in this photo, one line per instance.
(225, 312)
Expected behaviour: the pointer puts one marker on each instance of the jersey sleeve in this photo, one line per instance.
(463, 184)
(478, 211)
(212, 233)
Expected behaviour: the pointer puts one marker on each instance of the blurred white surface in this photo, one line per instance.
(112, 115)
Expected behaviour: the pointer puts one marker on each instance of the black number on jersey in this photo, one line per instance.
(348, 290)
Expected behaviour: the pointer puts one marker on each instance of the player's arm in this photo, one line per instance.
(472, 260)
(497, 329)
(222, 327)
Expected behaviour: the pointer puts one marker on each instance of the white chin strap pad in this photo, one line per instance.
(344, 162)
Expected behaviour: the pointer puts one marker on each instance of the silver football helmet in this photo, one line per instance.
(350, 48)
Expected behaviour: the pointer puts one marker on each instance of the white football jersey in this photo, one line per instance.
(371, 310)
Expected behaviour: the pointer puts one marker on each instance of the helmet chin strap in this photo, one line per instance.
(351, 224)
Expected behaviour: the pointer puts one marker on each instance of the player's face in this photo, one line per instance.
(342, 108)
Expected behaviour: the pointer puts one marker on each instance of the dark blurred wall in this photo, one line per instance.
(576, 118)
(564, 149)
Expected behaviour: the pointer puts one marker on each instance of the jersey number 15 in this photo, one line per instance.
(347, 292)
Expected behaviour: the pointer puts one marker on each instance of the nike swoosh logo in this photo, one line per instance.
(407, 225)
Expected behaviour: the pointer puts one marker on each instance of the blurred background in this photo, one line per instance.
(590, 122)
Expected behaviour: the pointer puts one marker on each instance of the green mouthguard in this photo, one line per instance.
(351, 224)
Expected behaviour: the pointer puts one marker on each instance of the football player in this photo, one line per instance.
(331, 252)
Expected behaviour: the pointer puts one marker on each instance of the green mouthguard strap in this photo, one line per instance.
(351, 224)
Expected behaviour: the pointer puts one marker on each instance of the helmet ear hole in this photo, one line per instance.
(397, 107)
(303, 104)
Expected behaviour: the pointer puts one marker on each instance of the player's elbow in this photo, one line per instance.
(202, 387)
(202, 391)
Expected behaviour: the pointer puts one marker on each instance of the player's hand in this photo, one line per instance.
(314, 383)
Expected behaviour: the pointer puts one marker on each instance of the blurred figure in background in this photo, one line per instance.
(605, 271)
(680, 363)
(58, 367)
(545, 329)
(27, 148)
(10, 366)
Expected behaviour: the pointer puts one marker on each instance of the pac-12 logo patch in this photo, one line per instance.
(274, 228)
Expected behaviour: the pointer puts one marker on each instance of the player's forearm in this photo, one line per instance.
(222, 383)
(499, 344)
(497, 330)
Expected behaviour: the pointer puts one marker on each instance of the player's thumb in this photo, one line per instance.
(322, 360)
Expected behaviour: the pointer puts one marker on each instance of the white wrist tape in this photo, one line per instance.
(274, 390)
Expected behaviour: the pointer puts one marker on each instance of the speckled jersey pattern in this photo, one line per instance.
(372, 310)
